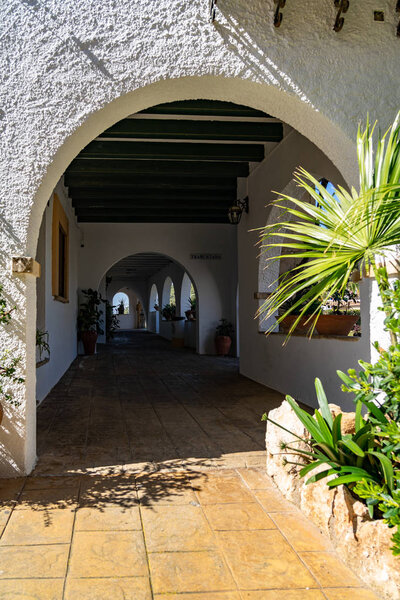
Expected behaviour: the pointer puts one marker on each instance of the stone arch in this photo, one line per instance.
(101, 114)
(126, 300)
(168, 286)
(186, 286)
(270, 265)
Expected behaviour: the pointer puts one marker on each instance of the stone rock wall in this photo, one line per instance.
(364, 544)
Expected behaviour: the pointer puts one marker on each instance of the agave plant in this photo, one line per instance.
(349, 458)
(337, 233)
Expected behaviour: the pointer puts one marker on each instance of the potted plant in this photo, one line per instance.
(168, 312)
(112, 323)
(191, 313)
(121, 308)
(340, 319)
(223, 338)
(302, 325)
(340, 234)
(89, 320)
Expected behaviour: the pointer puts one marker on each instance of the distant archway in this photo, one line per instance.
(120, 303)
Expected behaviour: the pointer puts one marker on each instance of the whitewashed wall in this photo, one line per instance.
(69, 70)
(291, 369)
(216, 280)
(60, 317)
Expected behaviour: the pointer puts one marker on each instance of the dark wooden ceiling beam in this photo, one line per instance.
(196, 130)
(204, 107)
(151, 219)
(161, 213)
(206, 204)
(112, 194)
(93, 180)
(175, 151)
(159, 168)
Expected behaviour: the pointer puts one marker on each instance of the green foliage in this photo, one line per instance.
(89, 313)
(168, 312)
(225, 328)
(42, 343)
(112, 323)
(379, 383)
(192, 302)
(9, 365)
(342, 300)
(378, 497)
(5, 312)
(335, 234)
(349, 458)
(367, 462)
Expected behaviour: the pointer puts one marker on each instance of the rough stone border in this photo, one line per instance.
(363, 544)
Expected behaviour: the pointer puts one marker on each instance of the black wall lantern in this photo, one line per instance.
(235, 211)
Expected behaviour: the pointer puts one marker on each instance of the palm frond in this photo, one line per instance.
(335, 234)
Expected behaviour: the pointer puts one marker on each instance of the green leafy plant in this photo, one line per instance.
(192, 303)
(341, 301)
(335, 235)
(112, 323)
(168, 312)
(225, 329)
(366, 461)
(89, 315)
(349, 457)
(379, 383)
(378, 496)
(42, 342)
(9, 365)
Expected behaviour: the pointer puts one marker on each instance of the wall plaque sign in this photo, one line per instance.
(204, 256)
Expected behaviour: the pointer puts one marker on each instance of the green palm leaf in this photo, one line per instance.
(336, 234)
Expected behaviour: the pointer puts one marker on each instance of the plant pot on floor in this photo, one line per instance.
(336, 324)
(223, 344)
(89, 339)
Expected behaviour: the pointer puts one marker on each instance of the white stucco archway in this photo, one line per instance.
(299, 114)
(67, 89)
(258, 96)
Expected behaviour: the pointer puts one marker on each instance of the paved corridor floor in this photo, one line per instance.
(150, 485)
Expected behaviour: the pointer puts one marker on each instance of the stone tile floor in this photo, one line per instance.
(150, 484)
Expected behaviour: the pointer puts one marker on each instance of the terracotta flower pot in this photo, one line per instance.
(336, 324)
(223, 344)
(303, 325)
(89, 339)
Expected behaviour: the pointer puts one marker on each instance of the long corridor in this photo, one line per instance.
(151, 485)
(139, 403)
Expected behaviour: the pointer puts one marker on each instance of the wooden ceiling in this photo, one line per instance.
(139, 266)
(173, 163)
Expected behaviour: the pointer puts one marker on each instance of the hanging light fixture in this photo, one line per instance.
(235, 211)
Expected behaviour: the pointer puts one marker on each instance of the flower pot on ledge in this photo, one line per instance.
(303, 326)
(336, 324)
